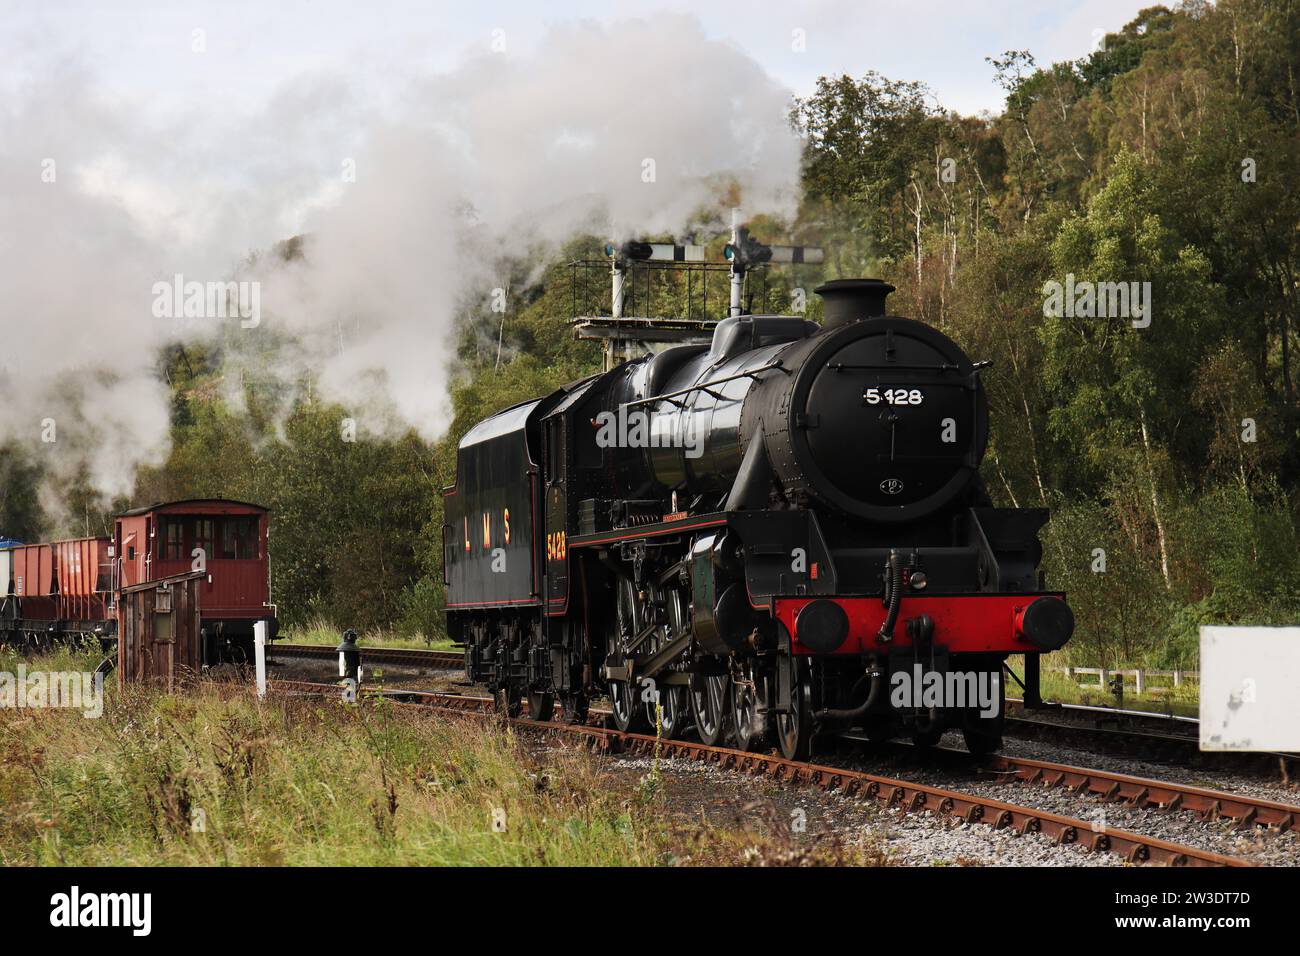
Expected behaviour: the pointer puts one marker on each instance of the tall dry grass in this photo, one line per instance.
(212, 776)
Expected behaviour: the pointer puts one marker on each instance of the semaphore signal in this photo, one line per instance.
(744, 252)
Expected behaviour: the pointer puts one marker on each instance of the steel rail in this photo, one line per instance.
(1101, 711)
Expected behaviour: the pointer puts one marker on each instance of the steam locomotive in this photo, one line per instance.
(769, 538)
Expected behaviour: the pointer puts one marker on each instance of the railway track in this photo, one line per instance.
(1134, 733)
(889, 792)
(1145, 793)
(1138, 792)
(415, 656)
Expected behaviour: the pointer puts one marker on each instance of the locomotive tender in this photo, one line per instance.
(795, 528)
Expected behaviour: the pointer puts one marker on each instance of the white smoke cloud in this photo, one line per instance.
(76, 362)
(537, 145)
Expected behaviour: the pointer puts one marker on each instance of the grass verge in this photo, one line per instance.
(212, 776)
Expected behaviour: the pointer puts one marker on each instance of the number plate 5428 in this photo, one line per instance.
(892, 396)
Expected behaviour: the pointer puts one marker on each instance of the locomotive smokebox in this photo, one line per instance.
(850, 300)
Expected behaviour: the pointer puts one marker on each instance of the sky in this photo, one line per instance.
(253, 49)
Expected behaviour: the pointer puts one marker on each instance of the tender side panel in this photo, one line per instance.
(488, 537)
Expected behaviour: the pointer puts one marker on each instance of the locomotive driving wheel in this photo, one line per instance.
(711, 707)
(668, 710)
(746, 716)
(626, 710)
(794, 731)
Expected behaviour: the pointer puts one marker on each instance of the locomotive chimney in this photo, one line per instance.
(850, 300)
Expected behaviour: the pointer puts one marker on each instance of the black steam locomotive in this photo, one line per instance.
(778, 535)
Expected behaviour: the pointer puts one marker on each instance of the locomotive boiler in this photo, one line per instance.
(774, 536)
